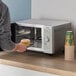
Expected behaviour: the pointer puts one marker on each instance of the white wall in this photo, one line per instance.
(58, 9)
(62, 9)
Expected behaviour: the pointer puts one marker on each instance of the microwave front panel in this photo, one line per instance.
(47, 39)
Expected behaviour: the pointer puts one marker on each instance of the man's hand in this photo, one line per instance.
(20, 48)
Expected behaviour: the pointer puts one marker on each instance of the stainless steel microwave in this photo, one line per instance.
(46, 35)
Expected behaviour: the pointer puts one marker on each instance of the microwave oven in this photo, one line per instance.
(46, 35)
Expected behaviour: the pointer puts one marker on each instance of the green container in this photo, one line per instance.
(69, 40)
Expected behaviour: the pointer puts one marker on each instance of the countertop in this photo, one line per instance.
(54, 64)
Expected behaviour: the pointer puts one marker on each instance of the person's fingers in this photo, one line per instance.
(20, 48)
(16, 46)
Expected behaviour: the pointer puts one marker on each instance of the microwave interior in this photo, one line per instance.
(32, 33)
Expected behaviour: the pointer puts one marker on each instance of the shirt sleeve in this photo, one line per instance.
(5, 30)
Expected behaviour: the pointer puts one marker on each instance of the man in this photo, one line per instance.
(5, 31)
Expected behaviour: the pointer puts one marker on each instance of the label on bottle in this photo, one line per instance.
(69, 40)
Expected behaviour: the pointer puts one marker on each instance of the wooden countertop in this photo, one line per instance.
(40, 62)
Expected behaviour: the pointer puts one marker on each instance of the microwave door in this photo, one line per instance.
(36, 40)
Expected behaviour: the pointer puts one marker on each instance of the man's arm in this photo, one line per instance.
(5, 31)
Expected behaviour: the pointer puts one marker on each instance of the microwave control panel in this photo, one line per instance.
(47, 39)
